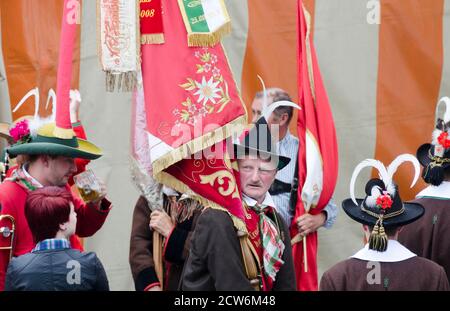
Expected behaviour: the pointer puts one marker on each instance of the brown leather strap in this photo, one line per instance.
(252, 270)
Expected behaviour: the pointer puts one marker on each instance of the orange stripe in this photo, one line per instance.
(409, 76)
(30, 36)
(271, 48)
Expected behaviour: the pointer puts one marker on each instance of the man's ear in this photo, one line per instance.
(45, 160)
(63, 226)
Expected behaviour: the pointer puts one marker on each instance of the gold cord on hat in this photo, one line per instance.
(436, 160)
(378, 239)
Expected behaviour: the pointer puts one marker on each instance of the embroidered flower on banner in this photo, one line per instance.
(207, 93)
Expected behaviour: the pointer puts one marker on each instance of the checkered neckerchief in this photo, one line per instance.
(272, 244)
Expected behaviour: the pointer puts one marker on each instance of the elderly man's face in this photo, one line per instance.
(256, 109)
(256, 177)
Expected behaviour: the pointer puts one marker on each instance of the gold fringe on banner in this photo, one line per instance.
(192, 147)
(209, 39)
(198, 144)
(125, 82)
(157, 38)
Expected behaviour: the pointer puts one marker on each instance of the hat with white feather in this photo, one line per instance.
(382, 207)
(259, 140)
(435, 157)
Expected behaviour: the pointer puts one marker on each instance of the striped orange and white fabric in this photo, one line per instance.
(384, 64)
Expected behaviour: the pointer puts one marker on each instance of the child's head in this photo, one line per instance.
(50, 213)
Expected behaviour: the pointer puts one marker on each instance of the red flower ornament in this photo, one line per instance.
(443, 140)
(384, 201)
(20, 132)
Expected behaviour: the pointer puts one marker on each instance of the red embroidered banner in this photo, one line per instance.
(151, 22)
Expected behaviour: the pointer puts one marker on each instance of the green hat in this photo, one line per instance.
(45, 142)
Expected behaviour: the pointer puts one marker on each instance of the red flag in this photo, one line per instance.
(318, 153)
(192, 104)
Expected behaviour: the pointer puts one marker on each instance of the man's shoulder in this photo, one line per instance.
(291, 139)
(424, 265)
(213, 217)
(10, 191)
(9, 185)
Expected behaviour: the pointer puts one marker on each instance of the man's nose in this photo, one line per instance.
(255, 175)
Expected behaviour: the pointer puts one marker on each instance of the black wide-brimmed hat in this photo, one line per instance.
(435, 156)
(382, 206)
(258, 142)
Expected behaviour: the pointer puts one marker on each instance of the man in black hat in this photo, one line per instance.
(384, 263)
(225, 256)
(428, 236)
(284, 188)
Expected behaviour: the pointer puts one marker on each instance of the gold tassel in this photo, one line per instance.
(378, 239)
(209, 39)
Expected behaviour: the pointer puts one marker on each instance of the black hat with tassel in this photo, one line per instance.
(382, 207)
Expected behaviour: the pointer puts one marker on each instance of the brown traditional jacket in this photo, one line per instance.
(398, 270)
(429, 236)
(215, 261)
(175, 252)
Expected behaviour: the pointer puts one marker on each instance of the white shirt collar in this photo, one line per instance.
(268, 200)
(35, 181)
(441, 191)
(395, 252)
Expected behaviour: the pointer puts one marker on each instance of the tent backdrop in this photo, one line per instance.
(383, 72)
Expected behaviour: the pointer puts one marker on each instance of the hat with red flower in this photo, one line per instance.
(382, 206)
(435, 157)
(58, 138)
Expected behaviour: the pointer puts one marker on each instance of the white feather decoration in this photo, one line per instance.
(52, 96)
(446, 101)
(268, 111)
(406, 157)
(367, 163)
(264, 103)
(371, 200)
(435, 136)
(36, 123)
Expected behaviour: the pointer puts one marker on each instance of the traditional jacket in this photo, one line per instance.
(90, 219)
(216, 262)
(396, 269)
(175, 252)
(429, 236)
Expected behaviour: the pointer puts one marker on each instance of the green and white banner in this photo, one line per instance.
(206, 21)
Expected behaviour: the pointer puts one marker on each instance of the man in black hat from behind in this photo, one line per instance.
(428, 237)
(384, 264)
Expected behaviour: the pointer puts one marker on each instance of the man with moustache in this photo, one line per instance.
(225, 257)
